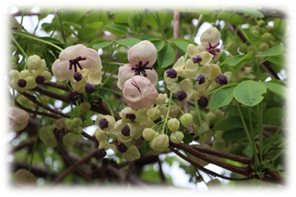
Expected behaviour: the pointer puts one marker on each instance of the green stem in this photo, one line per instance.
(108, 105)
(259, 112)
(18, 46)
(38, 39)
(157, 20)
(168, 113)
(34, 146)
(61, 26)
(110, 90)
(272, 139)
(248, 134)
(227, 22)
(197, 111)
(196, 27)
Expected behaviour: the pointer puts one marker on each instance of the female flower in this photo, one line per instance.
(139, 92)
(78, 58)
(141, 57)
(18, 119)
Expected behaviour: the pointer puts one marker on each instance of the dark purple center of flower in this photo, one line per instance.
(89, 88)
(172, 73)
(126, 130)
(21, 83)
(121, 147)
(77, 76)
(158, 120)
(9, 120)
(197, 59)
(75, 63)
(212, 48)
(101, 153)
(200, 79)
(73, 96)
(181, 95)
(141, 68)
(103, 123)
(221, 79)
(39, 79)
(132, 117)
(203, 101)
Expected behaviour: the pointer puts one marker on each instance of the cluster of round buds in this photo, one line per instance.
(81, 65)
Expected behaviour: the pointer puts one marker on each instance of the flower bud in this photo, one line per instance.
(149, 134)
(186, 119)
(89, 88)
(40, 79)
(73, 96)
(126, 131)
(263, 46)
(160, 143)
(173, 124)
(181, 95)
(33, 62)
(17, 118)
(266, 37)
(161, 99)
(101, 153)
(84, 107)
(153, 113)
(242, 47)
(176, 137)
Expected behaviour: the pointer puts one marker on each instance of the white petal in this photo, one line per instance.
(71, 52)
(61, 71)
(94, 77)
(93, 60)
(192, 50)
(179, 64)
(143, 51)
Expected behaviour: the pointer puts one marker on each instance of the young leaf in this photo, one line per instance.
(129, 42)
(273, 116)
(276, 50)
(136, 19)
(249, 92)
(277, 89)
(166, 56)
(221, 98)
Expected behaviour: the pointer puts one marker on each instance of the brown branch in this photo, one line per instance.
(241, 159)
(71, 168)
(162, 177)
(56, 85)
(246, 171)
(129, 171)
(279, 10)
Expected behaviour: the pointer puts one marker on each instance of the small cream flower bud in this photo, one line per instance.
(34, 62)
(160, 143)
(153, 113)
(186, 119)
(177, 137)
(174, 124)
(149, 134)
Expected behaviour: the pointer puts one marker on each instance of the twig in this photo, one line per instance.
(279, 10)
(129, 171)
(162, 177)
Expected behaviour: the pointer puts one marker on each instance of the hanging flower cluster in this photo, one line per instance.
(81, 65)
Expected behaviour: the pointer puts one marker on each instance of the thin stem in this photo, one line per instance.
(168, 112)
(157, 20)
(110, 90)
(61, 26)
(108, 105)
(260, 131)
(18, 46)
(197, 111)
(196, 27)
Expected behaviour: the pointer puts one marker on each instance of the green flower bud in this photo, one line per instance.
(261, 23)
(232, 46)
(33, 62)
(69, 125)
(255, 33)
(269, 28)
(131, 154)
(60, 123)
(77, 130)
(252, 48)
(266, 37)
(87, 123)
(153, 113)
(173, 124)
(100, 134)
(149, 134)
(160, 143)
(243, 47)
(186, 119)
(177, 137)
(263, 46)
(69, 139)
(76, 122)
(84, 107)
(271, 44)
(161, 99)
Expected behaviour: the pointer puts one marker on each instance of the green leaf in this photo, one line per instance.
(240, 60)
(87, 33)
(234, 19)
(277, 89)
(129, 42)
(159, 44)
(181, 44)
(95, 25)
(234, 134)
(166, 56)
(274, 116)
(75, 12)
(221, 98)
(276, 50)
(136, 19)
(233, 111)
(102, 44)
(116, 29)
(249, 92)
(149, 17)
(252, 12)
(230, 123)
(121, 17)
(278, 59)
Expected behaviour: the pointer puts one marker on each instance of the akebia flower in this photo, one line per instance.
(183, 90)
(197, 56)
(141, 57)
(17, 118)
(75, 59)
(139, 92)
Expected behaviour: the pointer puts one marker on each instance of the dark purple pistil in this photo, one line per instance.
(132, 117)
(172, 73)
(181, 95)
(158, 120)
(39, 79)
(103, 123)
(73, 96)
(121, 147)
(101, 153)
(141, 68)
(126, 130)
(77, 76)
(9, 120)
(89, 88)
(203, 101)
(212, 48)
(75, 63)
(221, 79)
(197, 59)
(200, 79)
(21, 83)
